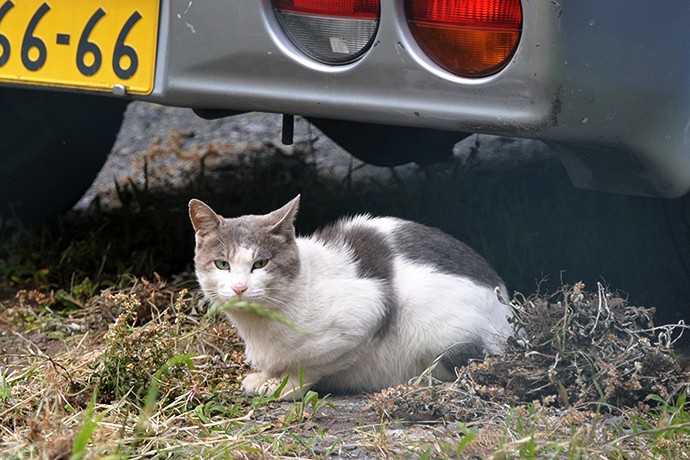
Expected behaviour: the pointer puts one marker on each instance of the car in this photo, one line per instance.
(604, 84)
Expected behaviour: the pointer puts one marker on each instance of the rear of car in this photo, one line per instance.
(605, 84)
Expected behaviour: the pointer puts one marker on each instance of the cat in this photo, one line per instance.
(376, 300)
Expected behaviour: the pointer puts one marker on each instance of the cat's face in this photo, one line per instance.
(249, 257)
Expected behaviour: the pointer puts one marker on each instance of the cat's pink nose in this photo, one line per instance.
(239, 289)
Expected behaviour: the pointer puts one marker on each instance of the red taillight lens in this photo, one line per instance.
(470, 38)
(330, 31)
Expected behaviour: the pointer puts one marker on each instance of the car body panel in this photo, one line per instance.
(393, 83)
(606, 84)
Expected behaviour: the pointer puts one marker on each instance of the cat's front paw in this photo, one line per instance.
(252, 383)
(261, 384)
(270, 386)
(292, 391)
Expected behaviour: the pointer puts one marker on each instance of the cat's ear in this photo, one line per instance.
(203, 218)
(282, 219)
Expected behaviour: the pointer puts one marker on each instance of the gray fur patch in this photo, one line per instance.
(429, 245)
(460, 354)
(373, 255)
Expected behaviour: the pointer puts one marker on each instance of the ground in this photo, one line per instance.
(141, 368)
(108, 350)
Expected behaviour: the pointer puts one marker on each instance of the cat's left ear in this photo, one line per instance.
(282, 219)
(203, 218)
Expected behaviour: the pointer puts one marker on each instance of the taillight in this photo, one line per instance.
(329, 31)
(469, 38)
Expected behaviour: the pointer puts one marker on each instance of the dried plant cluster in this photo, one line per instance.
(135, 341)
(584, 347)
(571, 349)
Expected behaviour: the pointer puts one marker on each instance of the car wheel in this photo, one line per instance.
(678, 219)
(52, 146)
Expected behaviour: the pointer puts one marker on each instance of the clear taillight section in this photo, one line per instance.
(469, 38)
(330, 31)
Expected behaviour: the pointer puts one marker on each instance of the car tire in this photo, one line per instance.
(52, 145)
(678, 222)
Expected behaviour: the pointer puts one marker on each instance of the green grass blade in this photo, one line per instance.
(252, 307)
(88, 426)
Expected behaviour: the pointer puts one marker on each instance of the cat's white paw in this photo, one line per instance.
(260, 383)
(292, 391)
(271, 385)
(252, 383)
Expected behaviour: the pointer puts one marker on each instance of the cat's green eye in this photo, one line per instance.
(261, 263)
(222, 264)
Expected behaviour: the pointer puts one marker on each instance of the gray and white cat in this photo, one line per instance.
(377, 299)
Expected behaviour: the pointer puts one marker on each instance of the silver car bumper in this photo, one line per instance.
(606, 84)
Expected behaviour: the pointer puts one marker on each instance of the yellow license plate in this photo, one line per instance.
(86, 44)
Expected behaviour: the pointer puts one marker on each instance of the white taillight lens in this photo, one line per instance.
(469, 38)
(329, 31)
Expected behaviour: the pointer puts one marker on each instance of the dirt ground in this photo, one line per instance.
(93, 324)
(579, 360)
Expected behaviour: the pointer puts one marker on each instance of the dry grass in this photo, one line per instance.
(139, 370)
(139, 353)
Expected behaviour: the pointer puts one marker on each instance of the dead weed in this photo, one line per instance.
(571, 349)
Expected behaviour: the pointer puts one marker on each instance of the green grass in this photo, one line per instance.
(88, 426)
(217, 308)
